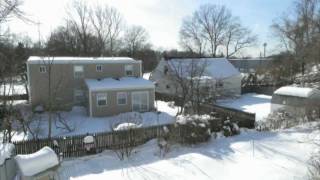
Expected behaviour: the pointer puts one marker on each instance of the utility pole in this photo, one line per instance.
(264, 49)
(39, 34)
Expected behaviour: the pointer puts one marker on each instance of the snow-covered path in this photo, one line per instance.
(251, 155)
(259, 104)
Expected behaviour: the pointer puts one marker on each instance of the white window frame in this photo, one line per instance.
(75, 71)
(99, 70)
(128, 67)
(118, 97)
(140, 92)
(76, 93)
(42, 69)
(102, 96)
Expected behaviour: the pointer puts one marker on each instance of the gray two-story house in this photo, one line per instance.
(105, 85)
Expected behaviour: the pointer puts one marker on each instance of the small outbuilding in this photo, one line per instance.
(300, 101)
(42, 164)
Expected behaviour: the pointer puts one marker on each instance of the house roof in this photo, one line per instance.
(126, 83)
(217, 68)
(303, 92)
(32, 164)
(80, 60)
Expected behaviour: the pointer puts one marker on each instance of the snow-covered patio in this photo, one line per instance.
(252, 155)
(259, 104)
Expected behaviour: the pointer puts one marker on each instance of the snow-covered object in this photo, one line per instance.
(116, 84)
(82, 60)
(6, 151)
(37, 162)
(126, 126)
(88, 139)
(185, 119)
(218, 68)
(39, 109)
(303, 92)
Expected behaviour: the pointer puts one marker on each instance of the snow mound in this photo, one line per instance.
(6, 150)
(88, 139)
(296, 91)
(185, 119)
(32, 164)
(126, 126)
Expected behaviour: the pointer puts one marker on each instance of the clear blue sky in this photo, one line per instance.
(162, 18)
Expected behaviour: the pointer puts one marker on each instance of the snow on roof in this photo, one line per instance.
(75, 60)
(6, 151)
(118, 84)
(37, 162)
(297, 91)
(218, 68)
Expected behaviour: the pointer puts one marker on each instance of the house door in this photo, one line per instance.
(140, 101)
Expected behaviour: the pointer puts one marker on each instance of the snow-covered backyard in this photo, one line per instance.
(82, 123)
(252, 155)
(253, 103)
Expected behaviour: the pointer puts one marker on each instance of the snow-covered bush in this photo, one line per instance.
(194, 129)
(230, 128)
(314, 167)
(281, 120)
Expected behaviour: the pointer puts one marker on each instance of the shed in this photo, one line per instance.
(39, 165)
(299, 101)
(7, 164)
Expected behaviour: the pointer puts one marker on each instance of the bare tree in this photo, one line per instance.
(299, 31)
(212, 28)
(10, 9)
(79, 18)
(191, 36)
(193, 86)
(214, 21)
(237, 38)
(135, 38)
(107, 24)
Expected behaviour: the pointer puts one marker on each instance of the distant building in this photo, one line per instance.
(299, 101)
(105, 85)
(250, 65)
(219, 72)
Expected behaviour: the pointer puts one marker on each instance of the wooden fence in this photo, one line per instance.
(243, 119)
(73, 146)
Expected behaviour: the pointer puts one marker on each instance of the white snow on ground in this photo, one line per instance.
(12, 90)
(146, 76)
(252, 103)
(5, 151)
(82, 123)
(251, 155)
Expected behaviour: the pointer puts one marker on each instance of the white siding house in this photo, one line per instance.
(221, 73)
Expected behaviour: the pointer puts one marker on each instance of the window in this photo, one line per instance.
(140, 101)
(99, 68)
(219, 84)
(167, 86)
(78, 71)
(128, 70)
(78, 96)
(122, 98)
(102, 99)
(43, 69)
